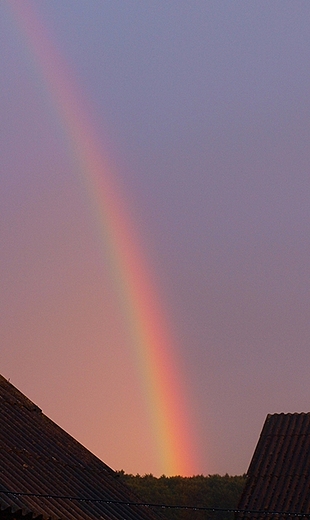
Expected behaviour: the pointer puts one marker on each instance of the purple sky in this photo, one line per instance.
(204, 109)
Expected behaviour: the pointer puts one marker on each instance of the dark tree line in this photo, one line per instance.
(200, 491)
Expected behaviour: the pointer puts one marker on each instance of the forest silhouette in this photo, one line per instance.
(212, 491)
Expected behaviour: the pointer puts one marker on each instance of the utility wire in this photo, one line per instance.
(162, 506)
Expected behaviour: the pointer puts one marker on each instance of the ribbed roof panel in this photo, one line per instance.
(278, 477)
(38, 457)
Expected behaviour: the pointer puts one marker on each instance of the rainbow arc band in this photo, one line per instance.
(150, 337)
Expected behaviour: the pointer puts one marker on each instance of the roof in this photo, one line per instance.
(278, 477)
(39, 458)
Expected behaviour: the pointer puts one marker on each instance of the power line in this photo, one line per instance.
(162, 506)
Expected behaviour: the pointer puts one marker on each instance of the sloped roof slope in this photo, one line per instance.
(278, 477)
(39, 458)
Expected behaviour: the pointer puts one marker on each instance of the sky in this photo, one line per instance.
(201, 111)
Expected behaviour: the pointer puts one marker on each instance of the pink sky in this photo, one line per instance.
(203, 112)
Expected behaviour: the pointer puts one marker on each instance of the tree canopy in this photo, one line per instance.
(197, 491)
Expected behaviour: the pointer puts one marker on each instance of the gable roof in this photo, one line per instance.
(37, 457)
(278, 477)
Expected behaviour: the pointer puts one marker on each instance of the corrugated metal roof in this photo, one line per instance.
(37, 456)
(278, 477)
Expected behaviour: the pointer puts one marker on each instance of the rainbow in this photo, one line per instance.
(161, 380)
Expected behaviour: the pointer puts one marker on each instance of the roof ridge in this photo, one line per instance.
(287, 413)
(15, 396)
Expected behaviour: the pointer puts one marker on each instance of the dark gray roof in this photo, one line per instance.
(38, 457)
(279, 473)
